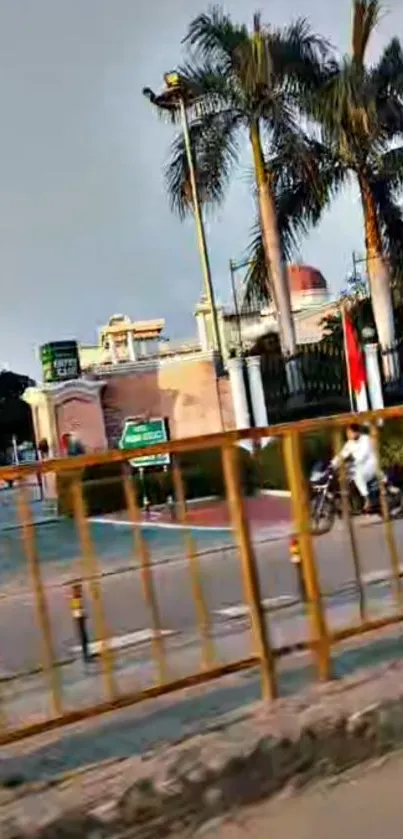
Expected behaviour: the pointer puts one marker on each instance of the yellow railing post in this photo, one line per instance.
(150, 596)
(389, 530)
(301, 513)
(250, 576)
(48, 655)
(345, 501)
(197, 588)
(91, 576)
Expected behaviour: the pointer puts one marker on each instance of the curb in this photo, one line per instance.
(276, 493)
(245, 761)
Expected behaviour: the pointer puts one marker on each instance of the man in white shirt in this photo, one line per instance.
(360, 448)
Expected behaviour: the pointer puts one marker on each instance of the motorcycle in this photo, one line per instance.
(326, 498)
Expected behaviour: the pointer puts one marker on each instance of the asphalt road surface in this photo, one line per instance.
(127, 611)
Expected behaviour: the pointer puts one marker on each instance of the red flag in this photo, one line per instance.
(355, 358)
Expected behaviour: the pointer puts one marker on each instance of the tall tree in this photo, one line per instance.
(15, 414)
(358, 123)
(244, 83)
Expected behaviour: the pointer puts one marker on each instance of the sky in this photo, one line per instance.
(85, 226)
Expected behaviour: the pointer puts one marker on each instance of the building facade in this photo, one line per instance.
(133, 372)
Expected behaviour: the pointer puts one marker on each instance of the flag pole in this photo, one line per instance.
(350, 389)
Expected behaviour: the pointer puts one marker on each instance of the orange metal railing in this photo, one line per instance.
(120, 691)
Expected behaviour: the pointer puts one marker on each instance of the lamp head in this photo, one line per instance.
(368, 334)
(172, 79)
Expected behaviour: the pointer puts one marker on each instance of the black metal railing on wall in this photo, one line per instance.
(391, 368)
(311, 383)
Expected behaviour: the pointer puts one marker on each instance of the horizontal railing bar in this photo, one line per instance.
(130, 699)
(125, 700)
(368, 626)
(193, 444)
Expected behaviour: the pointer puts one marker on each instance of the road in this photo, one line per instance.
(220, 572)
(366, 804)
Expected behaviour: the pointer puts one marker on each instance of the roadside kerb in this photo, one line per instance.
(244, 759)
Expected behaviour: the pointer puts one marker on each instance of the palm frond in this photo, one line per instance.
(391, 222)
(300, 55)
(212, 89)
(306, 179)
(213, 35)
(215, 150)
(256, 284)
(390, 168)
(389, 69)
(366, 16)
(387, 81)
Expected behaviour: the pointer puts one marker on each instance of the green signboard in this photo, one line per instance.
(60, 361)
(137, 434)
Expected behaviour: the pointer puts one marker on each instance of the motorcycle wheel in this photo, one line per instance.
(322, 515)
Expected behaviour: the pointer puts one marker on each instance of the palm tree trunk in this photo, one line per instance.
(378, 270)
(276, 268)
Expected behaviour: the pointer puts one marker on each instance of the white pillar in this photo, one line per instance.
(202, 331)
(373, 376)
(257, 395)
(256, 391)
(112, 350)
(361, 399)
(239, 399)
(130, 346)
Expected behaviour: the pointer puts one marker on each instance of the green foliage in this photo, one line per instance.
(103, 488)
(362, 316)
(391, 445)
(270, 462)
(203, 476)
(242, 83)
(15, 414)
(270, 465)
(355, 119)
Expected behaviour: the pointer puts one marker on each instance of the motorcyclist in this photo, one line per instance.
(360, 449)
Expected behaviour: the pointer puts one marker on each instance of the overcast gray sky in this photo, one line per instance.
(85, 227)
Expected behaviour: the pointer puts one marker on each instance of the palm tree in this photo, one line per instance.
(358, 121)
(244, 83)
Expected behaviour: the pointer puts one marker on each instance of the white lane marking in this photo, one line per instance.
(241, 610)
(159, 525)
(120, 642)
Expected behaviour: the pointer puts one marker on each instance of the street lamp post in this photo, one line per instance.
(176, 95)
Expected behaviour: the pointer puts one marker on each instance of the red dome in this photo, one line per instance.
(305, 278)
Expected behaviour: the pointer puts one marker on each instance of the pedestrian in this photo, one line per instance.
(171, 507)
(147, 507)
(80, 620)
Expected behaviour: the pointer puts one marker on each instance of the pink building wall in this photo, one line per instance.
(84, 418)
(187, 393)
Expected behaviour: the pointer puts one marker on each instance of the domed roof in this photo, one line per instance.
(305, 278)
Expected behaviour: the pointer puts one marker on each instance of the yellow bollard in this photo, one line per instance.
(91, 576)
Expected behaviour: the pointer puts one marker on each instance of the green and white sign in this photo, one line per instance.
(138, 434)
(60, 361)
